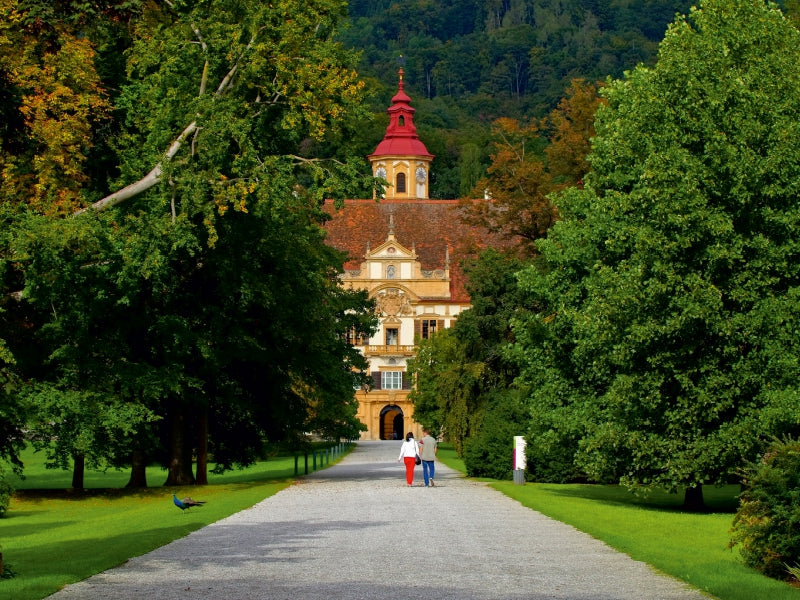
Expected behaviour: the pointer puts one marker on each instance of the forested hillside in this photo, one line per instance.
(469, 62)
(506, 56)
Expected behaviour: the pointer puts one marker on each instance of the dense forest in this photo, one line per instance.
(469, 62)
(507, 57)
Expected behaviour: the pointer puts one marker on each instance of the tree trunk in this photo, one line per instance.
(179, 470)
(201, 477)
(693, 499)
(138, 470)
(78, 468)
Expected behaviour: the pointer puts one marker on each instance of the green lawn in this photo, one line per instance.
(51, 537)
(691, 547)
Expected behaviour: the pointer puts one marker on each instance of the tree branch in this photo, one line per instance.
(154, 176)
(146, 182)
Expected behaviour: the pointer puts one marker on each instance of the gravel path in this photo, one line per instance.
(354, 531)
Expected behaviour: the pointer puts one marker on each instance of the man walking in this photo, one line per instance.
(428, 450)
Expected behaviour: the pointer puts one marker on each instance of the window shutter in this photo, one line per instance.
(406, 381)
(417, 331)
(376, 381)
(440, 325)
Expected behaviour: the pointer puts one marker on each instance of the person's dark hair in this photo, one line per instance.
(409, 436)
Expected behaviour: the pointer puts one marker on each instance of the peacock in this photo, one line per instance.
(186, 503)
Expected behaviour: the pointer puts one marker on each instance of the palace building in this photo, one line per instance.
(405, 250)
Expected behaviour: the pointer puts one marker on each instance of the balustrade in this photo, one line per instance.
(389, 350)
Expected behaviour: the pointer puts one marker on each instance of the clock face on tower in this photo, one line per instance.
(380, 172)
(421, 175)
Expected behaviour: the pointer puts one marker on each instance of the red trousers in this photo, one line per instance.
(410, 464)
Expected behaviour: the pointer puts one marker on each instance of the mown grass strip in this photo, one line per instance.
(689, 546)
(51, 537)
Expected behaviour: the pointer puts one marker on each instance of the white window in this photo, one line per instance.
(392, 337)
(392, 380)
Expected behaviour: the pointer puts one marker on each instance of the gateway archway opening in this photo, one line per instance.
(391, 427)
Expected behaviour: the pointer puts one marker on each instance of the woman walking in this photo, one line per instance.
(408, 454)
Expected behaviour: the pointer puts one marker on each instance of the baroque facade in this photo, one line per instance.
(405, 250)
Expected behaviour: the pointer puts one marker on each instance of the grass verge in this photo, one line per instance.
(53, 537)
(689, 546)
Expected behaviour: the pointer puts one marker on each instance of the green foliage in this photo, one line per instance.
(460, 370)
(6, 489)
(469, 63)
(489, 452)
(169, 326)
(666, 343)
(13, 416)
(12, 411)
(445, 394)
(766, 528)
(514, 50)
(66, 423)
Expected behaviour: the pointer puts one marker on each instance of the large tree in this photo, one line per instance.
(201, 290)
(225, 104)
(669, 339)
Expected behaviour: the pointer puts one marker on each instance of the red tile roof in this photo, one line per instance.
(430, 226)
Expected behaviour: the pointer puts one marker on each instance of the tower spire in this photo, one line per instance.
(401, 158)
(401, 134)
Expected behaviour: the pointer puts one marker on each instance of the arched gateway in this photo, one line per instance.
(391, 423)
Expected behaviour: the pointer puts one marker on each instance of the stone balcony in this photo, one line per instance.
(384, 350)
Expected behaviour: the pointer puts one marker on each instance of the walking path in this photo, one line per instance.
(356, 530)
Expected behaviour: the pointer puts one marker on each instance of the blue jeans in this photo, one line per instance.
(427, 470)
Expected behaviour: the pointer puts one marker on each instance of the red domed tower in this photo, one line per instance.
(401, 158)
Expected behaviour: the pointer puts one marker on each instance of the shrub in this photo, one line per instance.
(767, 525)
(551, 458)
(490, 453)
(6, 490)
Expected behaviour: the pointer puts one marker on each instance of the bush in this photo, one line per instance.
(6, 489)
(490, 453)
(767, 525)
(551, 458)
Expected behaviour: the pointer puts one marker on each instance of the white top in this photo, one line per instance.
(409, 448)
